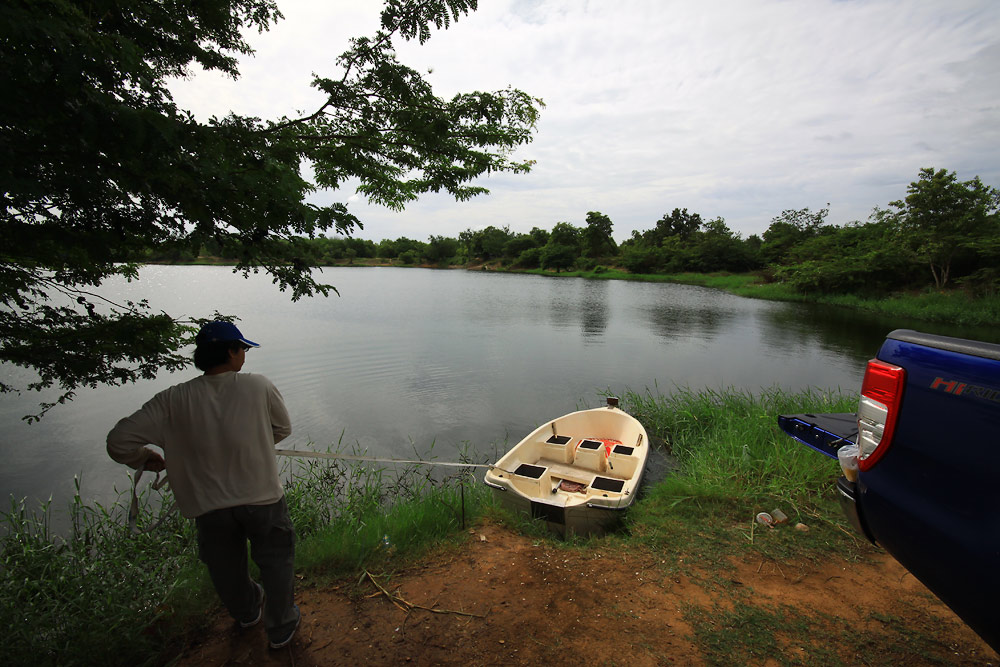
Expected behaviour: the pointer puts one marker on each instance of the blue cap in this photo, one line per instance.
(219, 332)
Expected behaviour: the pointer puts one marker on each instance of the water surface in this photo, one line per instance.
(404, 358)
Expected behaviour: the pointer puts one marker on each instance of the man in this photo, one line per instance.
(217, 432)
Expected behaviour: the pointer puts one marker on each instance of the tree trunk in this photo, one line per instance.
(937, 280)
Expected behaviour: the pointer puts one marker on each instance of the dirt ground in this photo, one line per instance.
(506, 599)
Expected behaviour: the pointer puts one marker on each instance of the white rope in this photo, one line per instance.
(133, 511)
(368, 459)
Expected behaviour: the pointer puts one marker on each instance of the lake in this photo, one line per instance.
(407, 358)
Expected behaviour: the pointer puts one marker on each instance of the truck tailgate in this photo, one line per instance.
(826, 433)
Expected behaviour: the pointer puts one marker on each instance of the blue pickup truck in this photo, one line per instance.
(927, 483)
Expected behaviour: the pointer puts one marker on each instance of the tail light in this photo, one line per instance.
(878, 410)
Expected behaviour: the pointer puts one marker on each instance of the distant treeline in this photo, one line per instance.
(944, 233)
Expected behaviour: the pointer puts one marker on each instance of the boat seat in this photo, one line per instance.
(592, 455)
(570, 472)
(561, 448)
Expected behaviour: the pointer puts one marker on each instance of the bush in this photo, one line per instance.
(982, 283)
(875, 272)
(558, 256)
(642, 259)
(530, 258)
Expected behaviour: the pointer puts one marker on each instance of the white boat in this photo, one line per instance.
(578, 473)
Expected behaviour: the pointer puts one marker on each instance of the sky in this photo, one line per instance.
(738, 109)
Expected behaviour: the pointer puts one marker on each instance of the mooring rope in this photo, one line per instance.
(158, 483)
(302, 453)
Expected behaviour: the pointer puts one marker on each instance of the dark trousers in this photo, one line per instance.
(222, 546)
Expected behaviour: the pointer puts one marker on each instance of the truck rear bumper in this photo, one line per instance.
(847, 493)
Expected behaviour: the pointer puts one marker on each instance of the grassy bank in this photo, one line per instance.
(63, 598)
(734, 463)
(951, 306)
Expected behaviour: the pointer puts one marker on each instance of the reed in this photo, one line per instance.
(65, 596)
(354, 515)
(728, 441)
(734, 462)
(953, 306)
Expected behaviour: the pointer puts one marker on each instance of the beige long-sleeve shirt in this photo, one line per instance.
(217, 433)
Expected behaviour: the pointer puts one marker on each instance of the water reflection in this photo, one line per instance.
(849, 332)
(594, 308)
(835, 330)
(687, 312)
(563, 308)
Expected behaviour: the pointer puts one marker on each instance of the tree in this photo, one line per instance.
(679, 224)
(597, 235)
(407, 245)
(562, 248)
(540, 236)
(440, 249)
(486, 243)
(530, 258)
(100, 164)
(640, 257)
(565, 234)
(858, 258)
(519, 244)
(387, 249)
(789, 229)
(717, 248)
(557, 256)
(942, 217)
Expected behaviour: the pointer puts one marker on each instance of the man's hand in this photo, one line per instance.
(154, 462)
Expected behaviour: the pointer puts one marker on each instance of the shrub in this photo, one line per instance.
(642, 259)
(558, 256)
(529, 259)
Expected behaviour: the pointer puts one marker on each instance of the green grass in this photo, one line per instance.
(63, 597)
(953, 306)
(735, 462)
(950, 306)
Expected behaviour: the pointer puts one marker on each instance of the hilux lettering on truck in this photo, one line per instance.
(959, 388)
(921, 470)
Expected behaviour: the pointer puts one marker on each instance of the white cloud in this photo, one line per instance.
(739, 108)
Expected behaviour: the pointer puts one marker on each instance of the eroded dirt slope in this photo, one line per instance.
(504, 599)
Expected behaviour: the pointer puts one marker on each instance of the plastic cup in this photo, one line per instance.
(848, 457)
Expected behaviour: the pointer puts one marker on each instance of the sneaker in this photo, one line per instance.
(284, 638)
(260, 609)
